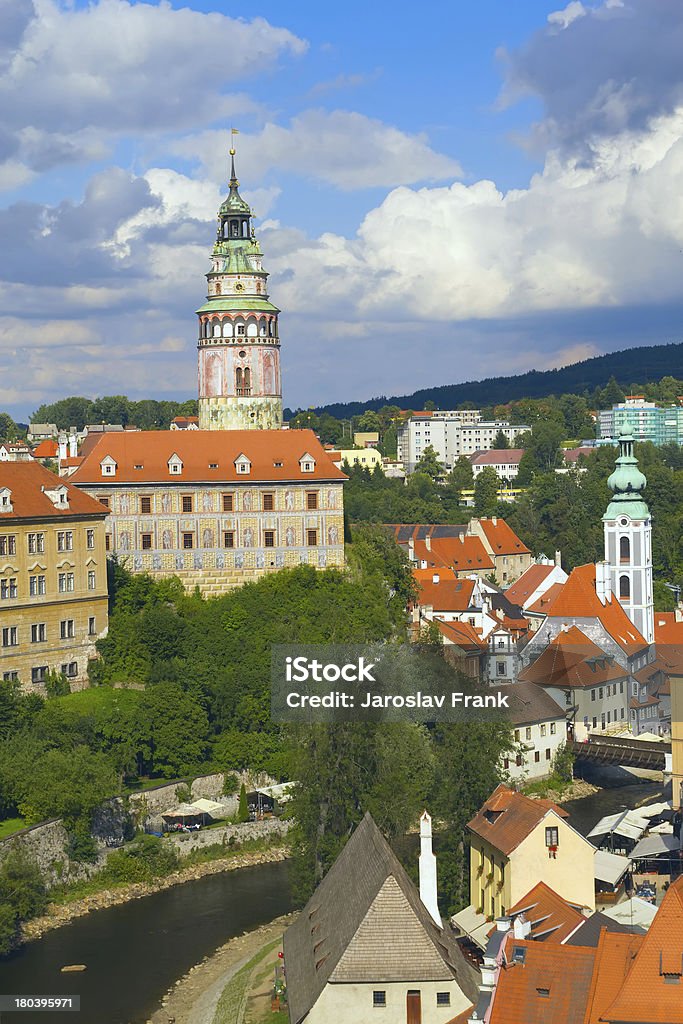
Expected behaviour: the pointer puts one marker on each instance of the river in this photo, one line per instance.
(135, 952)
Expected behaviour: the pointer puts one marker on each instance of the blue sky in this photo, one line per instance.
(443, 192)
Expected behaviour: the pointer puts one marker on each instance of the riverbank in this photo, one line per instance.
(59, 914)
(194, 997)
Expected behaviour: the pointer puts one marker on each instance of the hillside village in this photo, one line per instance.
(594, 671)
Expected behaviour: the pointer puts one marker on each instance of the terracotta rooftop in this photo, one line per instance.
(463, 554)
(508, 817)
(28, 482)
(47, 449)
(530, 580)
(545, 602)
(552, 919)
(502, 538)
(573, 454)
(448, 593)
(206, 455)
(498, 456)
(614, 957)
(551, 986)
(461, 634)
(653, 989)
(578, 599)
(572, 660)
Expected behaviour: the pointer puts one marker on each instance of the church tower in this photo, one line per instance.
(628, 541)
(239, 347)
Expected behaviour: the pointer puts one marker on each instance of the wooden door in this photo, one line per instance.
(413, 1008)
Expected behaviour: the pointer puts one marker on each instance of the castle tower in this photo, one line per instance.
(239, 347)
(628, 540)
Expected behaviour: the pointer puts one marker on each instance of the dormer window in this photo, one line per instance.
(307, 463)
(242, 465)
(58, 496)
(175, 465)
(5, 500)
(108, 466)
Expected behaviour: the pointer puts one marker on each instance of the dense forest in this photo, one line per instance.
(644, 365)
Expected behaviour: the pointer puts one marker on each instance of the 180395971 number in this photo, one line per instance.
(19, 1003)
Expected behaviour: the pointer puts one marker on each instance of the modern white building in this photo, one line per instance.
(505, 462)
(451, 434)
(540, 729)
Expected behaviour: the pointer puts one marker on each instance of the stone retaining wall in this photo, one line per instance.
(186, 842)
(149, 804)
(47, 845)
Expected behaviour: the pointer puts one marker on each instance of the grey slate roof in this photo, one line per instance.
(528, 703)
(366, 923)
(588, 933)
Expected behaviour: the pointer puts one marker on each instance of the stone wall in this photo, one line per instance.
(47, 845)
(148, 805)
(186, 842)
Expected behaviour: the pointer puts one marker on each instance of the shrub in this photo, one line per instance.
(243, 810)
(147, 858)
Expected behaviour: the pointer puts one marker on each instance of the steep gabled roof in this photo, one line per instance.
(614, 958)
(544, 603)
(530, 580)
(502, 538)
(508, 817)
(463, 553)
(498, 456)
(552, 918)
(528, 703)
(653, 989)
(47, 449)
(579, 599)
(365, 921)
(572, 660)
(461, 634)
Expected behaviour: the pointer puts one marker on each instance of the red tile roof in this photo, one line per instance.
(502, 538)
(498, 456)
(544, 603)
(47, 449)
(464, 554)
(613, 960)
(653, 989)
(530, 580)
(573, 454)
(552, 918)
(508, 817)
(578, 599)
(28, 482)
(550, 987)
(572, 660)
(461, 634)
(274, 456)
(448, 594)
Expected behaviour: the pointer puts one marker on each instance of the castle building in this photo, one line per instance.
(53, 576)
(628, 541)
(239, 347)
(217, 508)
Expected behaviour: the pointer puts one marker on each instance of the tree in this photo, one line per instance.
(243, 809)
(611, 394)
(429, 463)
(22, 896)
(9, 431)
(500, 441)
(369, 421)
(486, 492)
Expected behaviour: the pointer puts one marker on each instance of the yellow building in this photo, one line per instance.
(217, 508)
(368, 458)
(515, 843)
(53, 576)
(676, 681)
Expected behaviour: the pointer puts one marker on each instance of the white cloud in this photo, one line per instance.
(343, 148)
(571, 12)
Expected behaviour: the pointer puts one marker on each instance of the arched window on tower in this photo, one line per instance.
(234, 229)
(216, 329)
(247, 378)
(243, 382)
(624, 588)
(218, 287)
(624, 550)
(227, 329)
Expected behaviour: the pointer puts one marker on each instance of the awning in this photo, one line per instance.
(635, 911)
(628, 824)
(654, 845)
(610, 867)
(184, 811)
(211, 807)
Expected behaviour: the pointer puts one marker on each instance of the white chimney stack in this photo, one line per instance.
(73, 446)
(603, 584)
(62, 447)
(558, 559)
(436, 578)
(428, 870)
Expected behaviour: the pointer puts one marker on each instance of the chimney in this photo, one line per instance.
(427, 866)
(73, 446)
(678, 613)
(436, 578)
(521, 927)
(558, 559)
(428, 542)
(603, 586)
(494, 520)
(62, 446)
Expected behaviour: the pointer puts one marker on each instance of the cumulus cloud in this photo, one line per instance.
(600, 70)
(116, 67)
(340, 147)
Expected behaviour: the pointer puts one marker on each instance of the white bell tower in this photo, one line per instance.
(628, 541)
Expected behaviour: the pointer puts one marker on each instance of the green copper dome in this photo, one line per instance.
(626, 484)
(234, 203)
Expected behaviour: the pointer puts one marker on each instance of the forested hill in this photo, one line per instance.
(630, 366)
